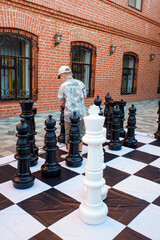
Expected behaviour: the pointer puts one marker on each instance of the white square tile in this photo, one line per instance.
(7, 159)
(150, 149)
(121, 152)
(148, 222)
(143, 139)
(139, 187)
(34, 168)
(17, 224)
(82, 231)
(73, 187)
(17, 195)
(126, 165)
(80, 169)
(156, 163)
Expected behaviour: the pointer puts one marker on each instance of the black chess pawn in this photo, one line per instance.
(61, 137)
(23, 178)
(28, 115)
(110, 117)
(121, 105)
(51, 168)
(130, 140)
(115, 143)
(74, 159)
(97, 102)
(157, 134)
(107, 98)
(34, 109)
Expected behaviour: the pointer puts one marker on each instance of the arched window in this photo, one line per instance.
(129, 75)
(18, 65)
(83, 64)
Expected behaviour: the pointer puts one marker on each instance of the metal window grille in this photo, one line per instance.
(18, 65)
(83, 64)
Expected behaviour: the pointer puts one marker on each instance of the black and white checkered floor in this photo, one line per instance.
(50, 209)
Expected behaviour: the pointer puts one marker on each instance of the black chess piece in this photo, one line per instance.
(130, 140)
(110, 117)
(23, 178)
(97, 102)
(51, 168)
(107, 98)
(74, 159)
(157, 134)
(121, 105)
(115, 143)
(34, 109)
(61, 137)
(27, 114)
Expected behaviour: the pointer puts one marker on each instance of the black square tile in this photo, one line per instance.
(129, 234)
(46, 235)
(50, 206)
(157, 201)
(139, 144)
(53, 181)
(155, 143)
(109, 156)
(123, 207)
(150, 173)
(113, 176)
(4, 202)
(141, 156)
(7, 173)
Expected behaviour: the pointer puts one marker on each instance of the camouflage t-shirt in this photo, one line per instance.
(72, 91)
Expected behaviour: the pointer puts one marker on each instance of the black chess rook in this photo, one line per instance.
(61, 137)
(23, 178)
(115, 143)
(157, 134)
(130, 140)
(73, 159)
(50, 168)
(28, 115)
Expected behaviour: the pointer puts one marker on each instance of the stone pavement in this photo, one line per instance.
(146, 122)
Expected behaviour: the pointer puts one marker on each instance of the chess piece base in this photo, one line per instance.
(51, 171)
(23, 183)
(157, 135)
(74, 162)
(115, 147)
(93, 214)
(130, 143)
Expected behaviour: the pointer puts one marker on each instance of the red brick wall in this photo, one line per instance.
(99, 22)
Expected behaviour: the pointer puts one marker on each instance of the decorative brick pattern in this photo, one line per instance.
(99, 22)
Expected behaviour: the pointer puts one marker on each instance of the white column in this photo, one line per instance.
(93, 210)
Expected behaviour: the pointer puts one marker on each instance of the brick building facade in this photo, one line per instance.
(112, 46)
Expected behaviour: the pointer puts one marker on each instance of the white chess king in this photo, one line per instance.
(93, 210)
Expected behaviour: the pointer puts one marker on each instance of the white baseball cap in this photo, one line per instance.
(63, 69)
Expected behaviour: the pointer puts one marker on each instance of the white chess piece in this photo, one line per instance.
(93, 210)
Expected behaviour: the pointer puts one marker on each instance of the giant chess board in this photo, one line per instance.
(50, 209)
